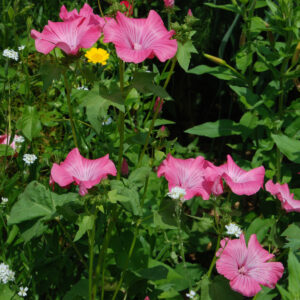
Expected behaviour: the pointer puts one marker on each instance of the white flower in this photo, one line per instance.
(29, 158)
(6, 274)
(4, 200)
(11, 54)
(191, 294)
(177, 193)
(23, 291)
(107, 121)
(22, 47)
(19, 139)
(233, 229)
(83, 88)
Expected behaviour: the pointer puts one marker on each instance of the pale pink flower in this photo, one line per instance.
(69, 36)
(169, 3)
(4, 140)
(147, 298)
(282, 192)
(138, 39)
(86, 11)
(247, 267)
(242, 182)
(213, 178)
(190, 13)
(162, 128)
(188, 175)
(85, 172)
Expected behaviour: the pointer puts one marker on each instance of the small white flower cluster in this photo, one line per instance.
(233, 229)
(23, 291)
(4, 200)
(191, 294)
(177, 193)
(19, 139)
(22, 47)
(29, 159)
(84, 88)
(12, 54)
(6, 274)
(107, 121)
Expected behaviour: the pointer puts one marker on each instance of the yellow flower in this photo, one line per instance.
(97, 55)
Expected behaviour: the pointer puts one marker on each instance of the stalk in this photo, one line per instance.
(156, 114)
(68, 94)
(91, 259)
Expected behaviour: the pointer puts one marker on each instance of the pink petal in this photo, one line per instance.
(245, 285)
(68, 16)
(282, 192)
(242, 182)
(60, 176)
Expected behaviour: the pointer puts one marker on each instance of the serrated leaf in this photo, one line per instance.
(144, 83)
(184, 54)
(85, 223)
(50, 71)
(138, 176)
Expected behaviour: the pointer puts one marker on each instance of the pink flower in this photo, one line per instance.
(147, 298)
(138, 39)
(86, 11)
(169, 3)
(240, 181)
(190, 13)
(4, 140)
(69, 35)
(128, 6)
(282, 192)
(158, 104)
(247, 268)
(162, 128)
(85, 172)
(187, 176)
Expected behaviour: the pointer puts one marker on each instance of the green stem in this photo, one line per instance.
(101, 12)
(213, 262)
(156, 114)
(127, 260)
(91, 259)
(68, 94)
(121, 121)
(72, 243)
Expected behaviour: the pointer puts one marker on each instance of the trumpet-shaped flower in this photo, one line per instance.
(247, 267)
(69, 36)
(18, 139)
(242, 182)
(282, 192)
(187, 176)
(85, 172)
(138, 39)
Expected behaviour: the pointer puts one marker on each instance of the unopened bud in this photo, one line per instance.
(215, 59)
(242, 39)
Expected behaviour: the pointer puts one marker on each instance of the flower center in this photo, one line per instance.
(137, 46)
(242, 270)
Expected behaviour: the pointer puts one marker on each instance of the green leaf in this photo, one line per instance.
(228, 7)
(288, 146)
(37, 202)
(50, 71)
(216, 129)
(6, 150)
(128, 198)
(294, 278)
(165, 218)
(221, 290)
(292, 234)
(6, 293)
(30, 123)
(85, 223)
(96, 108)
(138, 176)
(266, 294)
(246, 96)
(144, 83)
(284, 293)
(293, 130)
(249, 121)
(184, 53)
(243, 60)
(260, 227)
(219, 72)
(79, 291)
